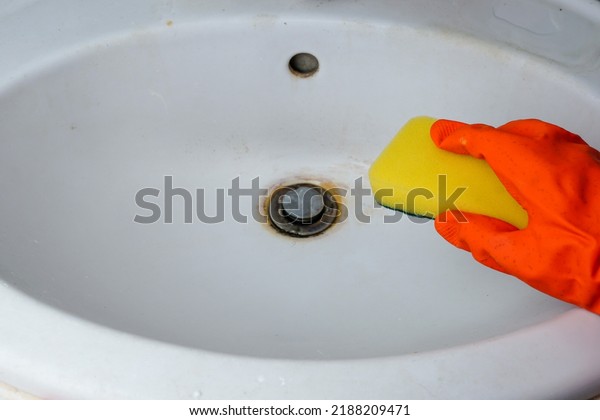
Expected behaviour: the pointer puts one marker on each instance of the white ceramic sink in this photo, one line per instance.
(101, 99)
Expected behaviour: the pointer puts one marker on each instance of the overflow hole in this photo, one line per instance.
(304, 64)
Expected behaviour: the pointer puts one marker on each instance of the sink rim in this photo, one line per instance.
(49, 364)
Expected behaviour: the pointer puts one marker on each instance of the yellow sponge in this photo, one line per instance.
(414, 176)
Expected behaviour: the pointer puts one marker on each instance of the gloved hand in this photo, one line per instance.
(555, 177)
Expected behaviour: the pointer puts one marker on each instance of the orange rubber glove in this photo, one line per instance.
(555, 176)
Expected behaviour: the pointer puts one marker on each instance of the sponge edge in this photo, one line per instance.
(414, 176)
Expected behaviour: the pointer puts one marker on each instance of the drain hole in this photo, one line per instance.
(304, 64)
(302, 210)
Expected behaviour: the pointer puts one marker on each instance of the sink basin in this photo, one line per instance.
(101, 101)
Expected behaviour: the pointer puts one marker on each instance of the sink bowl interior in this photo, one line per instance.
(206, 102)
